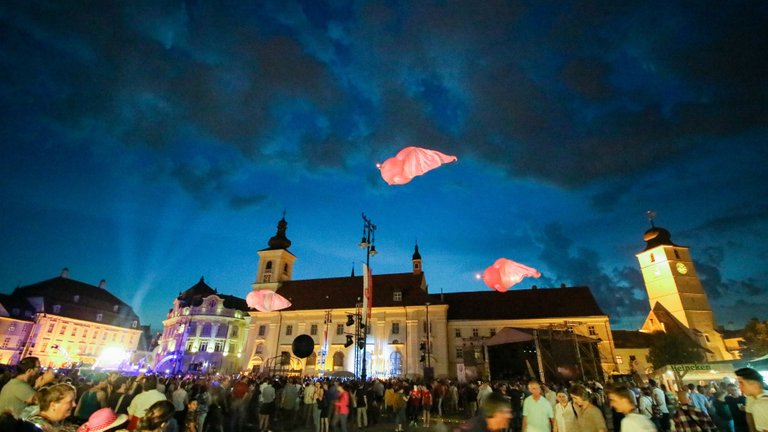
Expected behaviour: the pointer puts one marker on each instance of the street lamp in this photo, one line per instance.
(368, 242)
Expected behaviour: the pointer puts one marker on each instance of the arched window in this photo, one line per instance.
(338, 360)
(268, 266)
(285, 268)
(395, 364)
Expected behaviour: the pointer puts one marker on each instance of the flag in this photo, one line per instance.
(367, 293)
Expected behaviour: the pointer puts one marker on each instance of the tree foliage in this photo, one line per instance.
(755, 339)
(669, 349)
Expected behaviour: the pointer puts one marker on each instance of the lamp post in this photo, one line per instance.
(368, 243)
(427, 360)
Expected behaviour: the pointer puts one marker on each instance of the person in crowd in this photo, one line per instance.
(414, 405)
(688, 418)
(19, 392)
(93, 399)
(266, 405)
(56, 404)
(721, 412)
(308, 409)
(342, 408)
(657, 394)
(538, 413)
(399, 406)
(621, 401)
(589, 418)
(645, 403)
(158, 417)
(470, 397)
(321, 407)
(179, 398)
(120, 397)
(752, 386)
(482, 392)
(737, 403)
(671, 399)
(426, 405)
(389, 399)
(438, 395)
(361, 406)
(698, 399)
(289, 402)
(565, 413)
(494, 416)
(190, 416)
(105, 420)
(145, 399)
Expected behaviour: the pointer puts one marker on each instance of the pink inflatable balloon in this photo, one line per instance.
(505, 273)
(411, 162)
(266, 301)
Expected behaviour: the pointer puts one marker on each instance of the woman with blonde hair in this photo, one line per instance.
(159, 417)
(56, 403)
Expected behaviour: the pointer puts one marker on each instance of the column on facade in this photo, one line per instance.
(439, 340)
(380, 343)
(412, 366)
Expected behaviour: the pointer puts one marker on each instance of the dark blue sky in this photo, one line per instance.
(151, 144)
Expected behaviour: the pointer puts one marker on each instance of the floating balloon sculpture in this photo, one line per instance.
(411, 162)
(266, 301)
(505, 273)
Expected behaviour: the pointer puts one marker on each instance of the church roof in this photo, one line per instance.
(674, 326)
(345, 292)
(91, 300)
(631, 339)
(195, 295)
(522, 304)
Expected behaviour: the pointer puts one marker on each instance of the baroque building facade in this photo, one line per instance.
(204, 331)
(65, 322)
(411, 332)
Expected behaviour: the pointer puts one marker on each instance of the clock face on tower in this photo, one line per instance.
(681, 268)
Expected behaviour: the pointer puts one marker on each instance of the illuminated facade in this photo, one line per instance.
(15, 326)
(672, 282)
(204, 331)
(71, 323)
(410, 330)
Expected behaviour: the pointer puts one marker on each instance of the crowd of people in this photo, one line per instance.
(37, 399)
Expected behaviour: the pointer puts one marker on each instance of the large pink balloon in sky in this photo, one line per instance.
(411, 162)
(505, 273)
(266, 301)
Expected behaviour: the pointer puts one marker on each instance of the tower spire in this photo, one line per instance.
(651, 216)
(280, 241)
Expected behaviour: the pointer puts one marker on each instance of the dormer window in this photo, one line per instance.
(56, 308)
(397, 296)
(15, 311)
(99, 317)
(115, 308)
(76, 298)
(212, 303)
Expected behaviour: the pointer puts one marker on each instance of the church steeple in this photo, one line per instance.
(416, 260)
(279, 240)
(275, 262)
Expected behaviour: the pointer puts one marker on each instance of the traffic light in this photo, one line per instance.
(349, 341)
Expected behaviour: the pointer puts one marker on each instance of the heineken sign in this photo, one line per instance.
(691, 367)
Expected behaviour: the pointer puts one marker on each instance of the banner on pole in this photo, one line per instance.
(367, 293)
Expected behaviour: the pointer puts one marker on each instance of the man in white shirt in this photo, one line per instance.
(752, 386)
(538, 414)
(660, 399)
(145, 399)
(180, 398)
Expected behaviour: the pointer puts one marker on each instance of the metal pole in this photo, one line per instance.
(429, 349)
(368, 234)
(539, 360)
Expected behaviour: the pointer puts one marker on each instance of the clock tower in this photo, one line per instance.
(671, 280)
(275, 262)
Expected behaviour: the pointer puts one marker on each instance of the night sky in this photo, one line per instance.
(152, 143)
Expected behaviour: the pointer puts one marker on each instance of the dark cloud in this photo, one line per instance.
(245, 201)
(620, 292)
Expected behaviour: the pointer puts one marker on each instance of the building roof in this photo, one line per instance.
(16, 307)
(91, 300)
(523, 304)
(345, 292)
(195, 295)
(631, 339)
(657, 236)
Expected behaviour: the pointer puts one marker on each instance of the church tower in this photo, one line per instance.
(671, 280)
(416, 260)
(275, 262)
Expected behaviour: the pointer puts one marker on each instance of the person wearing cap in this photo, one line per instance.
(751, 384)
(105, 420)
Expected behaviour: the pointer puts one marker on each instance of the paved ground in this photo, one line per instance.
(385, 424)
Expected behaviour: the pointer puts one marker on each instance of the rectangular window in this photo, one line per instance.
(458, 332)
(204, 346)
(395, 328)
(12, 328)
(189, 346)
(397, 296)
(475, 332)
(50, 327)
(95, 334)
(74, 331)
(339, 329)
(259, 349)
(262, 330)
(63, 330)
(288, 330)
(234, 332)
(459, 353)
(619, 360)
(313, 329)
(592, 331)
(493, 332)
(218, 347)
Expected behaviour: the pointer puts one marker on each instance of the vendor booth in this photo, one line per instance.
(676, 376)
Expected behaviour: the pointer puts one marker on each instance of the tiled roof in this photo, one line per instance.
(523, 304)
(345, 292)
(673, 325)
(631, 339)
(92, 300)
(16, 307)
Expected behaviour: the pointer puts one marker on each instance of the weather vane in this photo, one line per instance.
(651, 215)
